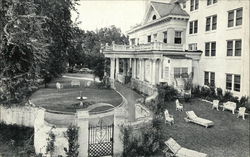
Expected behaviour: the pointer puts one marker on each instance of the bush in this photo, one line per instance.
(196, 91)
(166, 93)
(227, 96)
(205, 92)
(146, 141)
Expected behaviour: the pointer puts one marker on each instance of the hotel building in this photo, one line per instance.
(207, 40)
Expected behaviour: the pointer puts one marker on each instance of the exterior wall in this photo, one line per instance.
(25, 115)
(170, 26)
(221, 64)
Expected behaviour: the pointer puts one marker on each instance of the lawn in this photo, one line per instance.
(229, 137)
(65, 99)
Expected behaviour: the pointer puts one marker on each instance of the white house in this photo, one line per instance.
(206, 39)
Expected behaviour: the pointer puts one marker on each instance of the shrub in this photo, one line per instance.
(205, 92)
(146, 141)
(227, 96)
(196, 91)
(219, 94)
(166, 93)
(72, 137)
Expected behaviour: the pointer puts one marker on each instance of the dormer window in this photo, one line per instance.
(154, 17)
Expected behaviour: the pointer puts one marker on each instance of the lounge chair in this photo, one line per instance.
(229, 106)
(179, 151)
(191, 117)
(168, 118)
(215, 104)
(241, 112)
(179, 106)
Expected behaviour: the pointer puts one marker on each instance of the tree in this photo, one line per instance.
(37, 35)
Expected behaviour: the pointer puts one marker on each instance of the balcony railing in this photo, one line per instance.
(144, 47)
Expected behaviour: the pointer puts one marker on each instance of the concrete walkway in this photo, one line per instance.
(131, 97)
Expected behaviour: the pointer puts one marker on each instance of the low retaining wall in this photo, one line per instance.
(142, 86)
(23, 115)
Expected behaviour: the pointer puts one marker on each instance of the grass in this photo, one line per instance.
(229, 137)
(65, 99)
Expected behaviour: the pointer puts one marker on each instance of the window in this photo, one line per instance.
(165, 37)
(181, 72)
(237, 83)
(177, 72)
(235, 17)
(193, 27)
(229, 79)
(196, 4)
(208, 20)
(213, 49)
(233, 80)
(132, 41)
(239, 17)
(210, 49)
(230, 48)
(209, 2)
(206, 78)
(230, 19)
(212, 79)
(177, 38)
(149, 38)
(209, 78)
(207, 49)
(154, 17)
(191, 5)
(237, 47)
(214, 22)
(234, 47)
(211, 23)
(192, 47)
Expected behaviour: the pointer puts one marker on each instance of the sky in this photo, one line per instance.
(96, 14)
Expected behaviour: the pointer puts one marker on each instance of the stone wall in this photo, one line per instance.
(41, 134)
(142, 86)
(23, 115)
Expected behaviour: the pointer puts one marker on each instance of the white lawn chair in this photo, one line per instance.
(191, 117)
(59, 86)
(168, 118)
(229, 106)
(215, 104)
(179, 106)
(179, 151)
(241, 112)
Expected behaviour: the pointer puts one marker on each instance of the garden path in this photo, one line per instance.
(131, 97)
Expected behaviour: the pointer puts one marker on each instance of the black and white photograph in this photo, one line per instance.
(124, 78)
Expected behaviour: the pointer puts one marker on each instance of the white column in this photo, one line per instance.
(112, 68)
(141, 72)
(117, 67)
(153, 71)
(124, 67)
(134, 68)
(143, 69)
(83, 124)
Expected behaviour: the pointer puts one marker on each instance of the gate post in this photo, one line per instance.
(83, 124)
(119, 119)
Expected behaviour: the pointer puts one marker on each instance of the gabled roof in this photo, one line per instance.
(165, 9)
